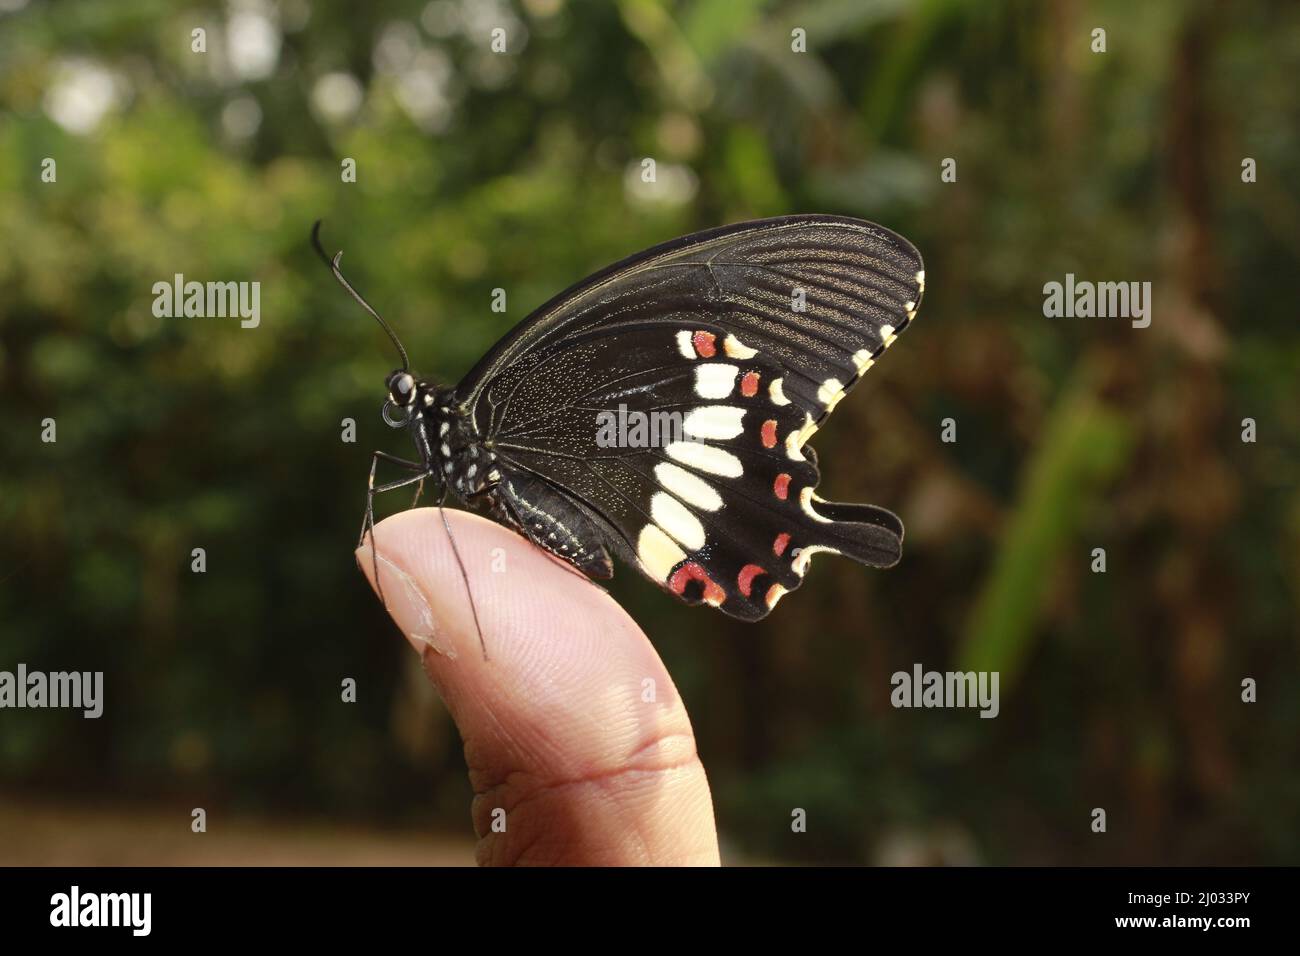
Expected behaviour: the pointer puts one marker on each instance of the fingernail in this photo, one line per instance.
(408, 607)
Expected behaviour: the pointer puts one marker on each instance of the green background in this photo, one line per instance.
(520, 171)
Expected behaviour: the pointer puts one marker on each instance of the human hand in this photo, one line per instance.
(556, 730)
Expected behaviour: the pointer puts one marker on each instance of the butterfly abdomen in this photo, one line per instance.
(543, 516)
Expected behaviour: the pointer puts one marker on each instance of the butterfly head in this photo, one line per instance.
(402, 388)
(404, 396)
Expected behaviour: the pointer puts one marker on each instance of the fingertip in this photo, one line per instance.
(562, 656)
(470, 574)
(461, 585)
(571, 690)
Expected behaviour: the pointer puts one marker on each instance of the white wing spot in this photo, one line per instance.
(692, 489)
(863, 360)
(714, 421)
(716, 461)
(715, 379)
(777, 393)
(736, 348)
(795, 441)
(800, 562)
(830, 393)
(676, 519)
(684, 344)
(805, 502)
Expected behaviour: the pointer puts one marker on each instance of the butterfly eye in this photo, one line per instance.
(401, 388)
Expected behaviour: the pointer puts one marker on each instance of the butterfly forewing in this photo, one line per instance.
(729, 348)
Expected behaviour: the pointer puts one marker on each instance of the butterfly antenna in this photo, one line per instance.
(442, 512)
(338, 274)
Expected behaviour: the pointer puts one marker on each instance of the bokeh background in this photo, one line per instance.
(478, 170)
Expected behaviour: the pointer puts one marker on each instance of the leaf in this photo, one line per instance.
(1085, 445)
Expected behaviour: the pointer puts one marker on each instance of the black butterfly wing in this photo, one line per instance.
(750, 335)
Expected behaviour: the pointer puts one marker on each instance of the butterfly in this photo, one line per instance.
(741, 340)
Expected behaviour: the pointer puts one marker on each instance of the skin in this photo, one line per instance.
(556, 729)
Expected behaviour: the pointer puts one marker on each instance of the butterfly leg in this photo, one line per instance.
(368, 518)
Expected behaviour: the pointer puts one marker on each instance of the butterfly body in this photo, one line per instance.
(449, 446)
(659, 411)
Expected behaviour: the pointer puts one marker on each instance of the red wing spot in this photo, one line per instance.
(749, 384)
(769, 433)
(713, 593)
(704, 344)
(779, 545)
(745, 580)
(781, 487)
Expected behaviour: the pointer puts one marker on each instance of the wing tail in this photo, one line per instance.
(865, 533)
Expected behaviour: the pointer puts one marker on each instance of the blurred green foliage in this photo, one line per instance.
(521, 171)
